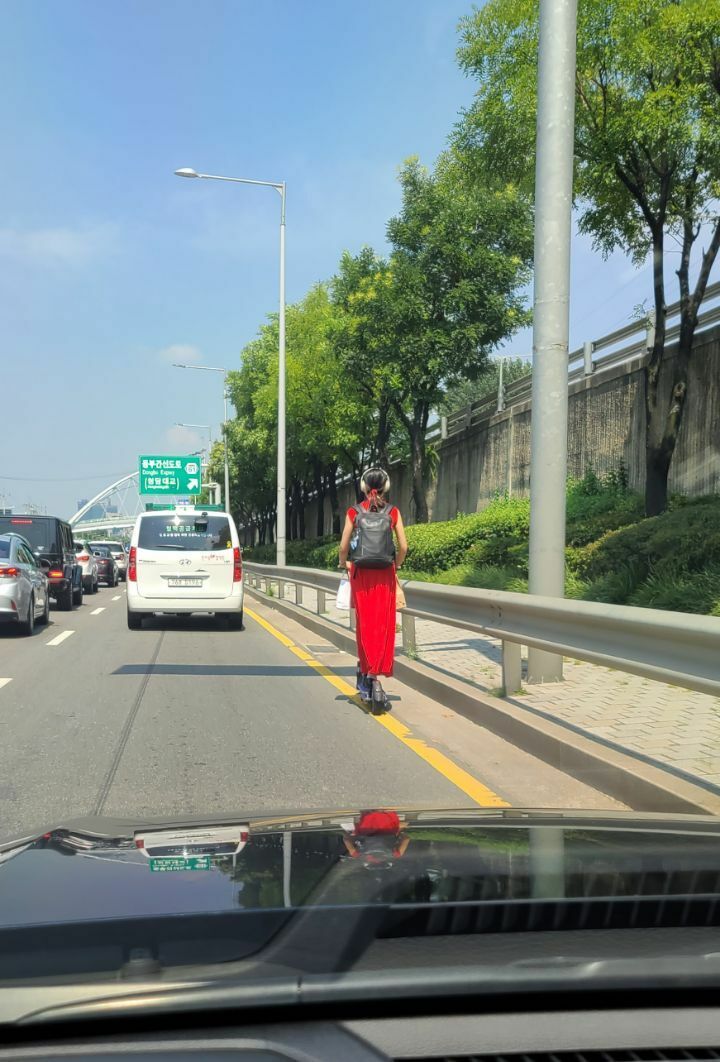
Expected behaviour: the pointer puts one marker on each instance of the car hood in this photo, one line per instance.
(92, 869)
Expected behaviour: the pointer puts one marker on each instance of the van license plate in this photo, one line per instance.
(185, 582)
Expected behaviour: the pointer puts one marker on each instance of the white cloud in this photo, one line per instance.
(59, 246)
(184, 440)
(184, 353)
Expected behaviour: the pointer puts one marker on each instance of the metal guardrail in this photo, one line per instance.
(673, 647)
(636, 337)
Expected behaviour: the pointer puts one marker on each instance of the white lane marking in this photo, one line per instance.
(4, 682)
(60, 638)
(97, 611)
(116, 598)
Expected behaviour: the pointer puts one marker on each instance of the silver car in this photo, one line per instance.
(24, 597)
(117, 551)
(86, 557)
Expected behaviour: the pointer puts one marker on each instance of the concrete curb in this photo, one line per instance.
(640, 785)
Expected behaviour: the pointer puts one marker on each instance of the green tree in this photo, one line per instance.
(466, 392)
(363, 343)
(647, 150)
(450, 292)
(326, 419)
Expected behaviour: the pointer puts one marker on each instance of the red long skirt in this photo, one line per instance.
(373, 597)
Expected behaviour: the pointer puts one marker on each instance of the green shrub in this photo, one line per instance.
(688, 538)
(484, 577)
(613, 555)
(437, 547)
(680, 591)
(308, 553)
(615, 588)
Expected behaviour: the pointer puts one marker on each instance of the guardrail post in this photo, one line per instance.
(298, 593)
(443, 428)
(511, 667)
(588, 347)
(409, 639)
(321, 602)
(547, 862)
(281, 589)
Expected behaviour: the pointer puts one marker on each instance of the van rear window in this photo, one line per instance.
(183, 532)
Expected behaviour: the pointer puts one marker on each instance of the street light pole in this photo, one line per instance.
(553, 232)
(215, 368)
(281, 531)
(225, 447)
(281, 504)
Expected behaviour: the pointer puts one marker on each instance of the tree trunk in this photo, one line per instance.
(656, 465)
(382, 436)
(302, 501)
(334, 501)
(320, 492)
(663, 425)
(416, 428)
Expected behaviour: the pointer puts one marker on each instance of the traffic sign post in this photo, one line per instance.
(169, 474)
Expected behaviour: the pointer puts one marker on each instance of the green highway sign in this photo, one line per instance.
(166, 865)
(165, 474)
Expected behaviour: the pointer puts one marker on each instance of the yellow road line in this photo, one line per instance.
(469, 785)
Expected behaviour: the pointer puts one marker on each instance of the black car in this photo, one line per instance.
(52, 543)
(106, 566)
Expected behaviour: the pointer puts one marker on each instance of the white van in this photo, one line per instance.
(185, 560)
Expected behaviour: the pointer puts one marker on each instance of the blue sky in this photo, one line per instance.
(111, 267)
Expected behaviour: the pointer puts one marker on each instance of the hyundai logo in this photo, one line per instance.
(184, 560)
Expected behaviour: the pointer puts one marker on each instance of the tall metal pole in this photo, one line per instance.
(553, 230)
(281, 466)
(225, 446)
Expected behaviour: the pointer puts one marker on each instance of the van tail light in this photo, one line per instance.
(9, 573)
(132, 565)
(56, 573)
(237, 565)
(83, 556)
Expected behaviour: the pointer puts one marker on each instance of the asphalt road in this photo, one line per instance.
(183, 718)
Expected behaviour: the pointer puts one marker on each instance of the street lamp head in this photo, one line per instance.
(187, 172)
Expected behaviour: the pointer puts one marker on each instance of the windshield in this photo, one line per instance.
(180, 532)
(41, 534)
(410, 446)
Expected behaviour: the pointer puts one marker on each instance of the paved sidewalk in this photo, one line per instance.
(673, 726)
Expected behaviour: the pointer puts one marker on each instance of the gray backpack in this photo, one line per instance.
(372, 544)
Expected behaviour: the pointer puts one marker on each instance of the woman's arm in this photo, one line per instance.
(403, 845)
(345, 542)
(402, 541)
